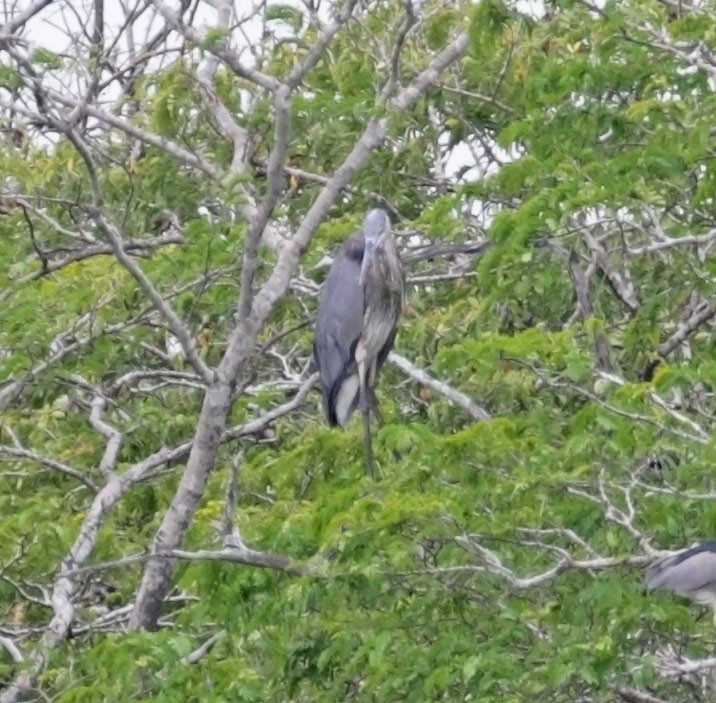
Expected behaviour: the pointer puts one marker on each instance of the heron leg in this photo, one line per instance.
(365, 407)
(375, 407)
(367, 443)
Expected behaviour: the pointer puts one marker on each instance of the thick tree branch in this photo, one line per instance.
(620, 281)
(237, 554)
(175, 323)
(672, 242)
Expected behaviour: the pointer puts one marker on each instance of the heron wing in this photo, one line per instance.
(338, 326)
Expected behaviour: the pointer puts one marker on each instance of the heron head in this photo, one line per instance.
(376, 227)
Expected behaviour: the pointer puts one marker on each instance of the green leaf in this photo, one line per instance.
(46, 58)
(285, 13)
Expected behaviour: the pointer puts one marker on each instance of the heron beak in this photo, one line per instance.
(368, 256)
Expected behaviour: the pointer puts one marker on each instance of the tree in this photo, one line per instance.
(174, 178)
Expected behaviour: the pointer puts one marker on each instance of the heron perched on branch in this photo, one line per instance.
(691, 573)
(357, 320)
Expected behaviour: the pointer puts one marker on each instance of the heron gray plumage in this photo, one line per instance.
(690, 573)
(358, 313)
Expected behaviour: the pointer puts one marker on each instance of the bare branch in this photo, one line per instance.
(674, 665)
(700, 435)
(229, 529)
(671, 242)
(22, 18)
(634, 695)
(205, 75)
(22, 589)
(620, 282)
(482, 98)
(699, 316)
(137, 246)
(492, 564)
(220, 49)
(319, 46)
(460, 399)
(166, 145)
(241, 555)
(108, 463)
(409, 21)
(116, 240)
(200, 652)
(9, 646)
(176, 324)
(282, 132)
(21, 453)
(301, 174)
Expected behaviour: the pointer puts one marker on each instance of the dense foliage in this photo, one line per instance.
(552, 187)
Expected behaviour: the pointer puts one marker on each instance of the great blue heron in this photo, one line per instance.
(357, 320)
(691, 573)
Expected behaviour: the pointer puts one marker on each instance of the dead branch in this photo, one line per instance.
(634, 695)
(11, 648)
(220, 49)
(26, 454)
(234, 554)
(452, 394)
(492, 564)
(114, 437)
(22, 18)
(200, 652)
(137, 247)
(176, 324)
(699, 316)
(674, 665)
(585, 309)
(699, 434)
(620, 281)
(241, 555)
